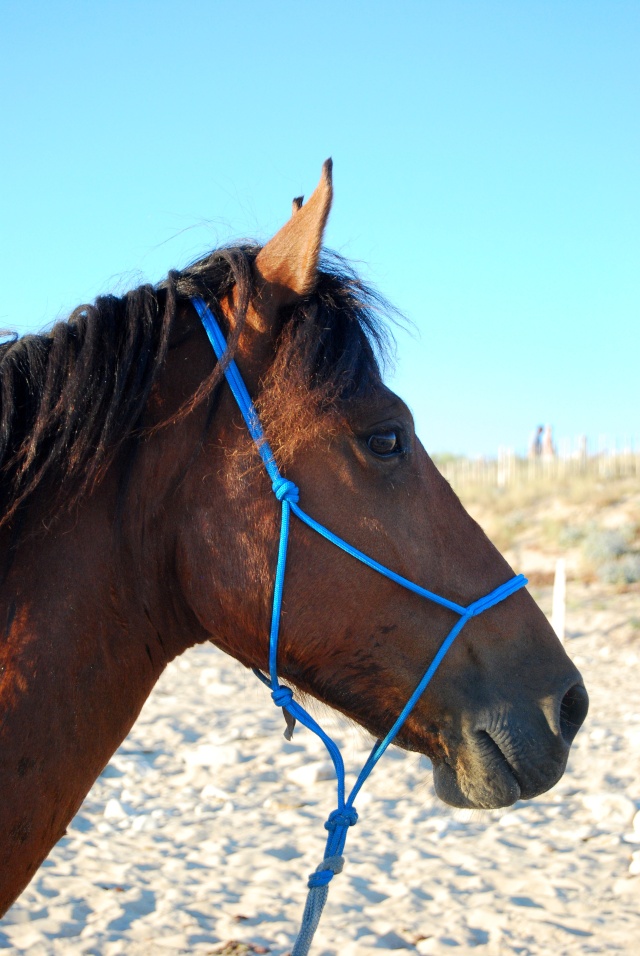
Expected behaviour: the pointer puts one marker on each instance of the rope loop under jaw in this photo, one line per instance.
(283, 697)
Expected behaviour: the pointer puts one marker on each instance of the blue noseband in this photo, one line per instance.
(288, 495)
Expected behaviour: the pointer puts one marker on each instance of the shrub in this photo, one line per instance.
(626, 570)
(605, 545)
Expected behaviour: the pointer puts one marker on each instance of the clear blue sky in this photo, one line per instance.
(487, 178)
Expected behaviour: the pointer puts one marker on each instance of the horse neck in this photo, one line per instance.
(93, 609)
(77, 662)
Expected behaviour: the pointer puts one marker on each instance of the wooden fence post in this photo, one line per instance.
(559, 599)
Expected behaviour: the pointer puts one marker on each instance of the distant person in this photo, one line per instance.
(548, 449)
(535, 444)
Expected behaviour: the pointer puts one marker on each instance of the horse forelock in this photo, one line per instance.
(72, 397)
(330, 353)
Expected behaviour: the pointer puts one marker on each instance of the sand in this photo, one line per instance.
(200, 833)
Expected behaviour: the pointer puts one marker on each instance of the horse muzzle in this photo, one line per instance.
(509, 754)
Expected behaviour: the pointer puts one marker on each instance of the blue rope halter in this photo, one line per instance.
(287, 493)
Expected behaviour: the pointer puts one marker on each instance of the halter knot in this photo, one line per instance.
(282, 696)
(285, 490)
(330, 866)
(346, 817)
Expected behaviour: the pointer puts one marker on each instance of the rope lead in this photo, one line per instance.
(316, 898)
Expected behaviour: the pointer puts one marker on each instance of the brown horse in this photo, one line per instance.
(138, 522)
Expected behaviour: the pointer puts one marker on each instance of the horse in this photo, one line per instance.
(137, 521)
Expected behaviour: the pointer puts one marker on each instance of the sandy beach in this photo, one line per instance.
(199, 835)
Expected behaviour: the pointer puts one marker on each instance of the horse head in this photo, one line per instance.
(499, 717)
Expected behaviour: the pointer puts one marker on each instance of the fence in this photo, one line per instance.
(509, 469)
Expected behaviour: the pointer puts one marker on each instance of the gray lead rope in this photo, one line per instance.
(316, 898)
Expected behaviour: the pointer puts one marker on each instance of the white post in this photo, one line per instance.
(559, 598)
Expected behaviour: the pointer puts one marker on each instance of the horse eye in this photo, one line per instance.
(385, 444)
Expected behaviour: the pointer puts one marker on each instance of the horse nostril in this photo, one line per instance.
(573, 711)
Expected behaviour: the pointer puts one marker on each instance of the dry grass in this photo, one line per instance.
(592, 522)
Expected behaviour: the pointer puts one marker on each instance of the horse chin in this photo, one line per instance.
(492, 787)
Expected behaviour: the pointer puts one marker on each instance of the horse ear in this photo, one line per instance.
(286, 268)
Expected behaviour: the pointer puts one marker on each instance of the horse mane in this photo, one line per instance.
(72, 397)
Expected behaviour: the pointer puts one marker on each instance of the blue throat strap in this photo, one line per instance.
(344, 816)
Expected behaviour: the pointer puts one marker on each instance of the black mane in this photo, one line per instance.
(70, 398)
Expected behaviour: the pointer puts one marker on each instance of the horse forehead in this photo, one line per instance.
(377, 405)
